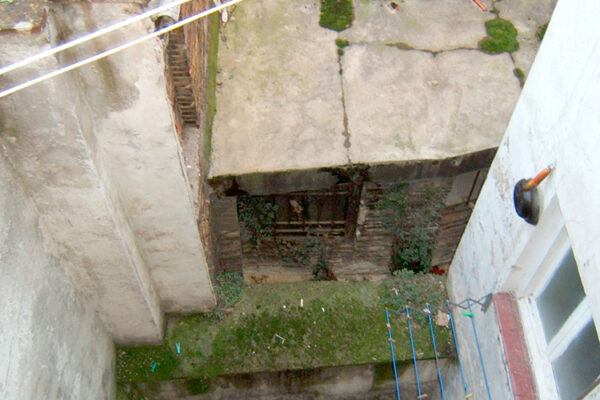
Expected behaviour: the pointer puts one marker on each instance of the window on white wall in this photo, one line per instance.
(558, 323)
(572, 344)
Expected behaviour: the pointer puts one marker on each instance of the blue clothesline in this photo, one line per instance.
(484, 302)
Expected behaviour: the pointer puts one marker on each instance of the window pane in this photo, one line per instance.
(560, 298)
(579, 365)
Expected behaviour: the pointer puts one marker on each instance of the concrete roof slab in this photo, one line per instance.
(433, 25)
(279, 91)
(409, 105)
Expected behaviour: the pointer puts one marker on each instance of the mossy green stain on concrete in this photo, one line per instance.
(502, 37)
(336, 15)
(337, 323)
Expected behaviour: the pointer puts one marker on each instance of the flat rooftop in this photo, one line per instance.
(412, 84)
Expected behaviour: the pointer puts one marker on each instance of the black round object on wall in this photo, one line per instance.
(527, 202)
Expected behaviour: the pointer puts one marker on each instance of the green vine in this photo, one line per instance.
(414, 227)
(258, 216)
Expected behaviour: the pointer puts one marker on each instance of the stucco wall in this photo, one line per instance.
(555, 121)
(52, 344)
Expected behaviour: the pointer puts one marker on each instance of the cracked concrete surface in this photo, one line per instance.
(411, 85)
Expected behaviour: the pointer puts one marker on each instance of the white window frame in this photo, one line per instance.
(548, 257)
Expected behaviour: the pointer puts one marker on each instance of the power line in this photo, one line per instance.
(117, 49)
(90, 36)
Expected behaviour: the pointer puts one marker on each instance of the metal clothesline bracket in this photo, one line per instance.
(484, 302)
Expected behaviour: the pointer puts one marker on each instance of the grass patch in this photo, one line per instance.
(336, 15)
(520, 75)
(502, 37)
(340, 323)
(196, 386)
(541, 31)
(136, 363)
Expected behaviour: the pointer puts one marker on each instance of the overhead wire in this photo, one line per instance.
(89, 36)
(117, 49)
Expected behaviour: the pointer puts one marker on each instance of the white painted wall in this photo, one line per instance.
(556, 120)
(52, 344)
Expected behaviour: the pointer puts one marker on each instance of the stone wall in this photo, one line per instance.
(52, 344)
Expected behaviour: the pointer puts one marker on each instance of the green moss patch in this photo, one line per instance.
(341, 43)
(541, 31)
(292, 326)
(520, 75)
(502, 37)
(336, 15)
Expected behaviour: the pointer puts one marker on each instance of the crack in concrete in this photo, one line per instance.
(407, 47)
(346, 131)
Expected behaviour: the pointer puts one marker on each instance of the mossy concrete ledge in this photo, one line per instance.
(300, 326)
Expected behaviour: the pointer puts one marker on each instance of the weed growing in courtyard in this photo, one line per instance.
(229, 289)
(414, 226)
(258, 216)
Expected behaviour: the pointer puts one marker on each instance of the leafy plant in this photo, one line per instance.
(321, 271)
(414, 228)
(229, 288)
(336, 15)
(258, 216)
(502, 37)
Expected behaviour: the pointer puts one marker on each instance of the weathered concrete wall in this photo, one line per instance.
(52, 344)
(44, 137)
(138, 146)
(555, 121)
(363, 382)
(98, 153)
